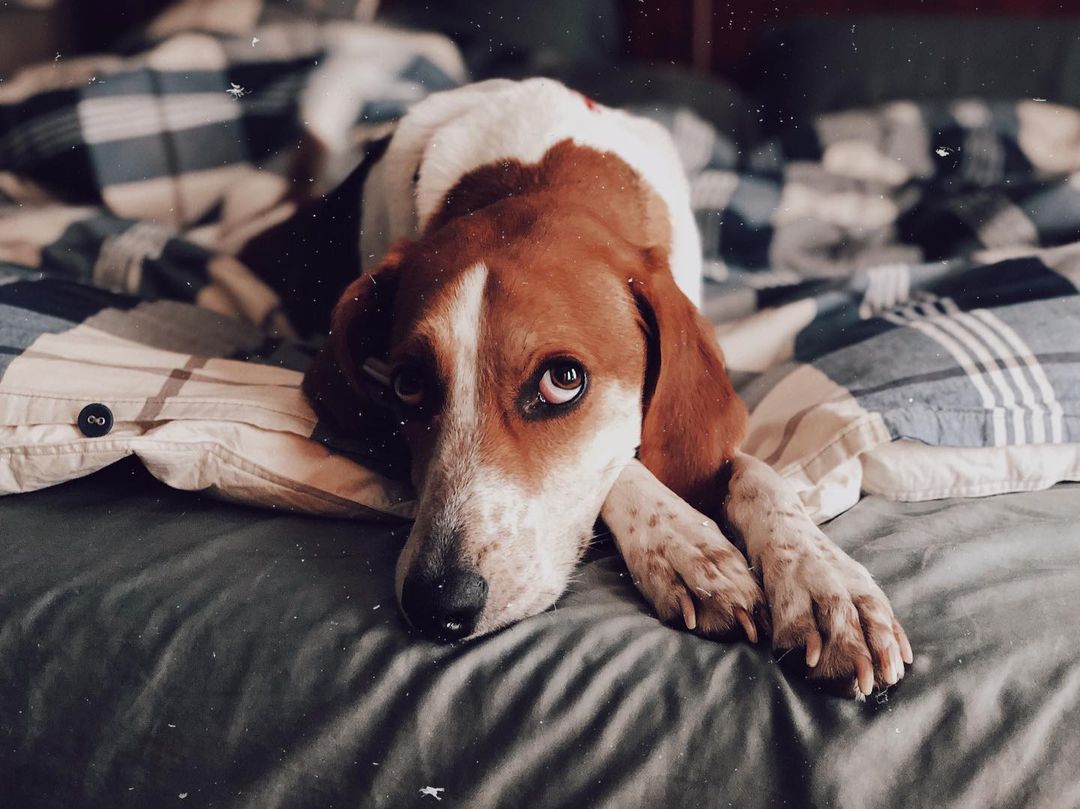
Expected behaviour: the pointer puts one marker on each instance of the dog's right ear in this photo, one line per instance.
(336, 384)
(693, 421)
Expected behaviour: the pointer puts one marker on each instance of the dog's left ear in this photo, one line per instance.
(693, 420)
(360, 326)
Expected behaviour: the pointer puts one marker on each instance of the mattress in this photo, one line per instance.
(176, 650)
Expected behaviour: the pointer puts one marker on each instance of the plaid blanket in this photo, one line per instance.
(177, 221)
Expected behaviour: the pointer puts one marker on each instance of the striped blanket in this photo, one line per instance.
(895, 289)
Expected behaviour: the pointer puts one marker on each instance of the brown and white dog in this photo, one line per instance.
(535, 320)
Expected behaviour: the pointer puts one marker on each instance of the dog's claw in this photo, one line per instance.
(905, 645)
(686, 605)
(890, 669)
(864, 675)
(813, 649)
(747, 624)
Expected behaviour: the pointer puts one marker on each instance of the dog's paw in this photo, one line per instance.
(691, 574)
(826, 604)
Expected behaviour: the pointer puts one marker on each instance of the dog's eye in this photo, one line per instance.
(562, 382)
(409, 387)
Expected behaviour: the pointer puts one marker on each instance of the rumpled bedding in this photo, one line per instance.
(897, 292)
(167, 645)
(895, 288)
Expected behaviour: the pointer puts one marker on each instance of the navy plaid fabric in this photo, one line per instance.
(905, 182)
(160, 134)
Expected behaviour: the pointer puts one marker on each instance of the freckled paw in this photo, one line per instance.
(714, 595)
(850, 642)
(723, 614)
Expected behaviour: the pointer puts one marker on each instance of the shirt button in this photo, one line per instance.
(95, 420)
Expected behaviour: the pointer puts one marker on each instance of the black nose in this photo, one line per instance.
(446, 607)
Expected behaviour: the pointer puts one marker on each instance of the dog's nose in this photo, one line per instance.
(446, 607)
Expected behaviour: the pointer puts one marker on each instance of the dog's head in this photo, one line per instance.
(531, 347)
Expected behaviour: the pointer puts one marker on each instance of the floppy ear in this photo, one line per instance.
(693, 420)
(360, 326)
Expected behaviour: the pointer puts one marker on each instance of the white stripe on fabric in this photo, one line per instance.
(1007, 357)
(126, 117)
(869, 305)
(120, 260)
(948, 306)
(903, 280)
(926, 318)
(866, 306)
(956, 328)
(44, 135)
(887, 287)
(973, 373)
(1022, 350)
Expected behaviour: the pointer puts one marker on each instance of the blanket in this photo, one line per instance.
(895, 289)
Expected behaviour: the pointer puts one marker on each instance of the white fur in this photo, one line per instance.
(452, 133)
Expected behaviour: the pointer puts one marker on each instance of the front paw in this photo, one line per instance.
(826, 603)
(694, 574)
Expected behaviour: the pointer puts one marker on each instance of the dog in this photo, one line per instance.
(528, 300)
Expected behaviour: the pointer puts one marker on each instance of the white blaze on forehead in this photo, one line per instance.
(461, 324)
(457, 330)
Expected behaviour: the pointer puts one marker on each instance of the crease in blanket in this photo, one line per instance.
(895, 288)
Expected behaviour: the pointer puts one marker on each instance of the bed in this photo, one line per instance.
(174, 650)
(168, 647)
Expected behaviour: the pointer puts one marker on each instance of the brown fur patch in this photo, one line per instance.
(557, 263)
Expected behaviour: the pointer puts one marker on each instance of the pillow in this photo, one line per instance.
(88, 377)
(908, 381)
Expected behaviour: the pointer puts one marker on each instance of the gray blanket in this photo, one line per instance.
(177, 651)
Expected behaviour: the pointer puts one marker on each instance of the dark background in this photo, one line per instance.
(719, 35)
(709, 35)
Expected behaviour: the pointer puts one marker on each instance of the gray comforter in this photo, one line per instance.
(179, 651)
